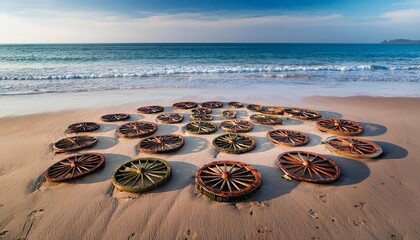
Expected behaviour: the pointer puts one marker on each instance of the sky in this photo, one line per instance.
(274, 21)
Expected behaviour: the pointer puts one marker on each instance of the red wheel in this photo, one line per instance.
(265, 119)
(301, 113)
(287, 137)
(150, 109)
(236, 104)
(236, 126)
(115, 117)
(212, 104)
(74, 143)
(339, 126)
(170, 118)
(184, 105)
(82, 127)
(353, 147)
(136, 129)
(161, 144)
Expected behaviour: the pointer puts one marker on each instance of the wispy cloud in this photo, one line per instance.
(403, 16)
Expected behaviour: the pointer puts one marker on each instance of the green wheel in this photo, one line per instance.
(234, 143)
(199, 127)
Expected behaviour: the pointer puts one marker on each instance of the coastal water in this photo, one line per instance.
(368, 69)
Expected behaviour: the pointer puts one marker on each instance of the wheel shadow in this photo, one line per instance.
(313, 140)
(105, 143)
(106, 127)
(166, 129)
(391, 151)
(134, 117)
(290, 121)
(329, 114)
(182, 176)
(372, 129)
(193, 145)
(263, 144)
(261, 128)
(351, 171)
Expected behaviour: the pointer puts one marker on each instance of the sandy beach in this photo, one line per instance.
(373, 199)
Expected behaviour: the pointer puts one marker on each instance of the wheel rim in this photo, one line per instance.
(150, 109)
(201, 127)
(212, 104)
(201, 110)
(265, 119)
(236, 126)
(254, 107)
(161, 144)
(170, 118)
(287, 137)
(353, 147)
(271, 110)
(184, 105)
(236, 104)
(234, 143)
(141, 175)
(229, 114)
(308, 166)
(74, 167)
(82, 127)
(201, 117)
(115, 117)
(301, 113)
(74, 143)
(339, 126)
(136, 129)
(226, 181)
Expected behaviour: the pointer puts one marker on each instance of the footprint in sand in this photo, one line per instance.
(30, 220)
(264, 230)
(131, 236)
(359, 222)
(190, 235)
(396, 237)
(322, 198)
(359, 205)
(313, 214)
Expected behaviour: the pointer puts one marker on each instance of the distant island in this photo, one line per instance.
(401, 41)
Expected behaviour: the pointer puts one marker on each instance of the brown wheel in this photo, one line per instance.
(74, 143)
(136, 129)
(201, 127)
(212, 104)
(227, 181)
(141, 175)
(265, 119)
(229, 114)
(254, 107)
(161, 144)
(82, 127)
(201, 110)
(236, 126)
(236, 104)
(184, 105)
(271, 110)
(339, 126)
(308, 166)
(301, 113)
(234, 143)
(353, 147)
(74, 167)
(201, 117)
(115, 117)
(150, 109)
(170, 118)
(287, 137)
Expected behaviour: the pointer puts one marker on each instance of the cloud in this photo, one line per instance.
(402, 16)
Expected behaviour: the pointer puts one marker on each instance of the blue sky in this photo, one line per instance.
(72, 21)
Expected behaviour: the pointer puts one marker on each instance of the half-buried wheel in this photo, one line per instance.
(234, 143)
(287, 137)
(136, 129)
(161, 144)
(200, 127)
(339, 126)
(201, 117)
(150, 109)
(229, 114)
(265, 119)
(353, 147)
(170, 118)
(273, 110)
(236, 104)
(115, 117)
(74, 143)
(254, 107)
(184, 105)
(82, 127)
(305, 114)
(236, 126)
(212, 104)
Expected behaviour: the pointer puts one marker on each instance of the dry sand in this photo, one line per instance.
(373, 199)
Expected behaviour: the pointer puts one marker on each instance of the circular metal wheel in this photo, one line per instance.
(234, 143)
(236, 104)
(150, 109)
(74, 143)
(254, 107)
(271, 110)
(227, 181)
(170, 118)
(212, 104)
(353, 147)
(74, 167)
(301, 113)
(201, 127)
(115, 117)
(308, 166)
(161, 144)
(201, 110)
(82, 127)
(287, 137)
(265, 119)
(184, 105)
(136, 129)
(236, 126)
(229, 114)
(339, 126)
(141, 175)
(201, 117)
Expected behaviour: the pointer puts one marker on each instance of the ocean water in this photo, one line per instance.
(356, 69)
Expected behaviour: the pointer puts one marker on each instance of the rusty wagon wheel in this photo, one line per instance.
(115, 117)
(229, 114)
(273, 110)
(236, 104)
(265, 119)
(201, 110)
(301, 113)
(234, 143)
(161, 144)
(212, 104)
(75, 166)
(308, 166)
(339, 126)
(170, 118)
(353, 147)
(254, 107)
(141, 175)
(227, 181)
(287, 137)
(199, 127)
(136, 129)
(236, 126)
(150, 109)
(201, 117)
(82, 127)
(184, 105)
(74, 143)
